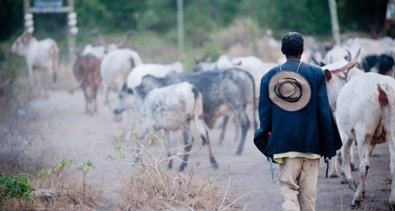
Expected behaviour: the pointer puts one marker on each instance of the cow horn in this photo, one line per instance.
(122, 43)
(351, 63)
(98, 37)
(312, 57)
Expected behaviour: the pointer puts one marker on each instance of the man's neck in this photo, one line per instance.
(293, 57)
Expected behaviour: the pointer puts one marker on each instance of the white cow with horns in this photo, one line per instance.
(42, 57)
(365, 113)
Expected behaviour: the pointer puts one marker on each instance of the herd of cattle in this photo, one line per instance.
(360, 83)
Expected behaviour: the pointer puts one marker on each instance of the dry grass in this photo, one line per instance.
(72, 198)
(154, 188)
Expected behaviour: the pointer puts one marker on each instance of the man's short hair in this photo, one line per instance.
(292, 44)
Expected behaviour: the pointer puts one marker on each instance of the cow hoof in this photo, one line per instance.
(213, 162)
(392, 207)
(182, 167)
(355, 204)
(333, 176)
(352, 185)
(170, 164)
(343, 182)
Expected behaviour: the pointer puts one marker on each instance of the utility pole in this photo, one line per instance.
(180, 25)
(334, 21)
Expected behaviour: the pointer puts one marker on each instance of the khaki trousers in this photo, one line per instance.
(298, 182)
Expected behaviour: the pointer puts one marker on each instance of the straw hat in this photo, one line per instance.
(289, 90)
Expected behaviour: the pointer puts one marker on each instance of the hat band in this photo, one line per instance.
(290, 97)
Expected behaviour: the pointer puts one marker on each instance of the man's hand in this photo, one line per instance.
(327, 160)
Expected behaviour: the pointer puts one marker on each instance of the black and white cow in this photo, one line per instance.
(383, 63)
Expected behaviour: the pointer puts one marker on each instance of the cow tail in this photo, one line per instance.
(382, 97)
(254, 104)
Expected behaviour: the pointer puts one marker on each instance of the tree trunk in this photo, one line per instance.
(334, 21)
(180, 24)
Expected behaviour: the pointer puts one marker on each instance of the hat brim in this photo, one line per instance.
(283, 104)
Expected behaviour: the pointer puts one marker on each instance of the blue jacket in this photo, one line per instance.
(311, 129)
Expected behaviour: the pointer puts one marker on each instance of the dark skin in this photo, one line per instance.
(298, 57)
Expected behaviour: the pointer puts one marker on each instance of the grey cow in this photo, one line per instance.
(224, 91)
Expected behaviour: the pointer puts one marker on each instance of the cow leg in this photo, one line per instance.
(237, 129)
(187, 148)
(90, 94)
(352, 163)
(334, 170)
(223, 128)
(94, 97)
(245, 124)
(106, 89)
(389, 139)
(213, 162)
(85, 91)
(363, 151)
(345, 153)
(168, 147)
(199, 124)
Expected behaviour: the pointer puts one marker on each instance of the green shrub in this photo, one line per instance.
(15, 187)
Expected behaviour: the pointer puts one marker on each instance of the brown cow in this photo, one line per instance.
(87, 72)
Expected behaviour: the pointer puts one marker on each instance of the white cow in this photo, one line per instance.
(256, 67)
(365, 113)
(172, 108)
(335, 80)
(42, 58)
(115, 68)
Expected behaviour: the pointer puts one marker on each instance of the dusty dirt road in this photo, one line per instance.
(69, 133)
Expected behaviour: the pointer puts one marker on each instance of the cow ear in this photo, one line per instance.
(328, 75)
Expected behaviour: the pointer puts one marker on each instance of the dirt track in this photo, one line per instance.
(71, 134)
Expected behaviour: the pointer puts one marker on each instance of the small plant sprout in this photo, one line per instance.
(85, 168)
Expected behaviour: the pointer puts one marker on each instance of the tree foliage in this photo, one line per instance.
(203, 16)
